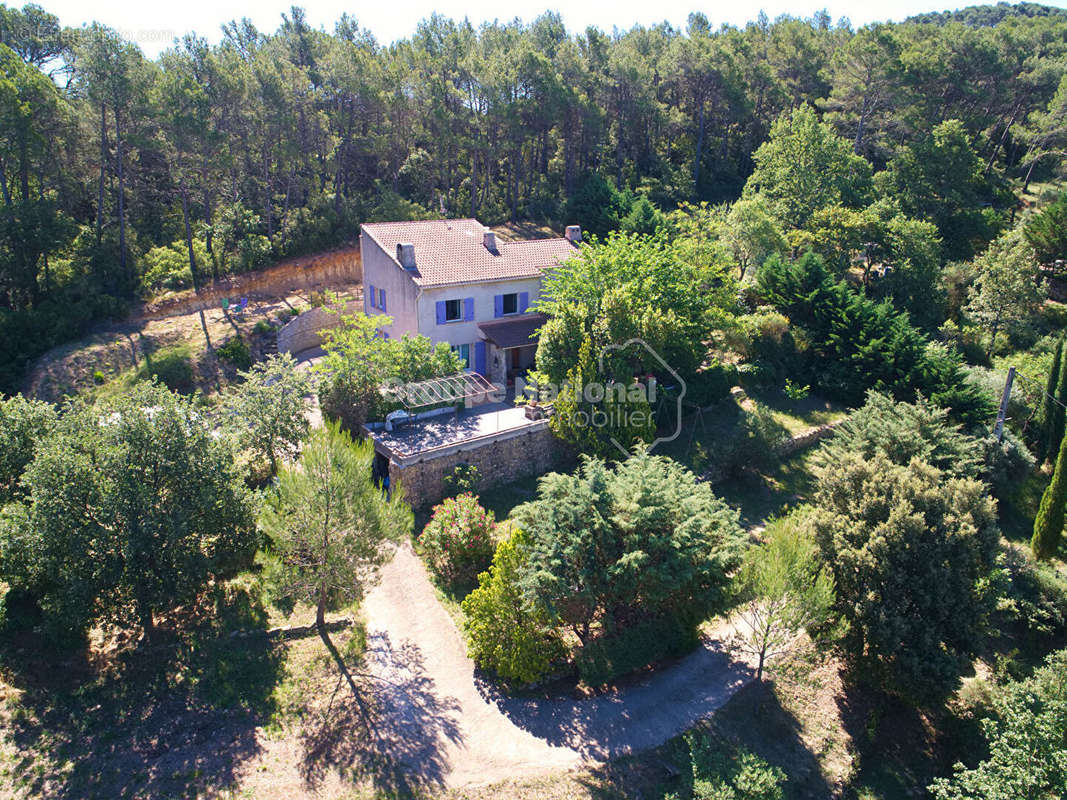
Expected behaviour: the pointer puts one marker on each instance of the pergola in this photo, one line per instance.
(435, 391)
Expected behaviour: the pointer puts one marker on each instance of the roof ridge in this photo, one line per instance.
(536, 241)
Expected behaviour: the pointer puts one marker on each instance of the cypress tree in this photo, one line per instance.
(1048, 404)
(1048, 526)
(1057, 420)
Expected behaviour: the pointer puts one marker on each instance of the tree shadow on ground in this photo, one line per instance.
(394, 735)
(648, 708)
(901, 748)
(168, 721)
(753, 720)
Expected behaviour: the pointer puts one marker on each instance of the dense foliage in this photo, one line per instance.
(901, 432)
(130, 509)
(506, 633)
(124, 175)
(458, 541)
(913, 554)
(359, 361)
(1048, 525)
(1025, 736)
(614, 546)
(858, 344)
(329, 525)
(24, 423)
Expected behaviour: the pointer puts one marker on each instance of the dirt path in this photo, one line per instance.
(456, 731)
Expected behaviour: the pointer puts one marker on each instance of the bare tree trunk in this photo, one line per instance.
(1002, 139)
(699, 146)
(858, 141)
(122, 196)
(188, 231)
(103, 169)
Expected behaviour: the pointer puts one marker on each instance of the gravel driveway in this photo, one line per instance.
(451, 729)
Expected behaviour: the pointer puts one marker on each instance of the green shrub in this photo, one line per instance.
(1006, 462)
(721, 772)
(173, 369)
(262, 327)
(505, 632)
(457, 542)
(98, 377)
(795, 391)
(235, 351)
(603, 659)
(462, 480)
(239, 604)
(711, 384)
(167, 268)
(1035, 600)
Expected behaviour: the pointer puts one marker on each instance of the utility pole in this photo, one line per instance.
(998, 431)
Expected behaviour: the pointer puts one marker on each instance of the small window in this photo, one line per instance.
(381, 299)
(510, 303)
(464, 353)
(453, 310)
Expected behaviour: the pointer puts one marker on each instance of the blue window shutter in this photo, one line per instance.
(468, 308)
(372, 296)
(524, 302)
(381, 297)
(479, 357)
(440, 312)
(498, 305)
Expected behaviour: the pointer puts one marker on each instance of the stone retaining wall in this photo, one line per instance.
(804, 440)
(305, 331)
(321, 270)
(530, 451)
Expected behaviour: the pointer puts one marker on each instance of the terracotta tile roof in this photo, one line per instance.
(450, 251)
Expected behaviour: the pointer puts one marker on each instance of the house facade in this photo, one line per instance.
(453, 281)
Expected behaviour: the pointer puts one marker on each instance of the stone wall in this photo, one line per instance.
(305, 331)
(531, 451)
(805, 439)
(322, 270)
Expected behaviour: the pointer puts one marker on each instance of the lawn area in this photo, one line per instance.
(502, 499)
(200, 714)
(766, 493)
(720, 436)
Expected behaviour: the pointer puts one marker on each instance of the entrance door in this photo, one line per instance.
(516, 358)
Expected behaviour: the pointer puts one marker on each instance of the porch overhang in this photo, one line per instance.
(515, 332)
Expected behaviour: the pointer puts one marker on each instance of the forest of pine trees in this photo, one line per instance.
(123, 176)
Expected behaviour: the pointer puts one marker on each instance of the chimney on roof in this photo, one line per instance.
(489, 240)
(574, 234)
(405, 254)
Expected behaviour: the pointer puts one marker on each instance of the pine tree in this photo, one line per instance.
(1048, 403)
(1048, 527)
